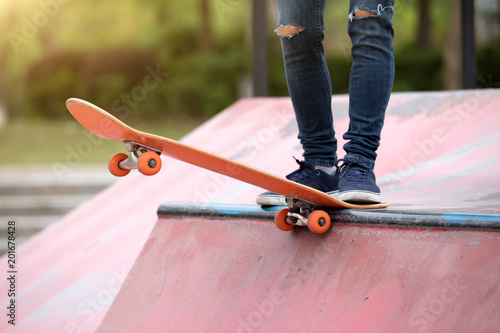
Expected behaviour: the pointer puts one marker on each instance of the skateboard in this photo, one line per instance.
(303, 203)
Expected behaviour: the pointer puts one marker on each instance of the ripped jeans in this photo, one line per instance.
(309, 85)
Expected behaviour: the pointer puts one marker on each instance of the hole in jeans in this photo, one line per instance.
(288, 31)
(363, 12)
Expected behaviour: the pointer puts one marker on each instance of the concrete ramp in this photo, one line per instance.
(235, 272)
(117, 263)
(442, 151)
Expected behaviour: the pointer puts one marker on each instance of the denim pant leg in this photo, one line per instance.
(372, 77)
(308, 79)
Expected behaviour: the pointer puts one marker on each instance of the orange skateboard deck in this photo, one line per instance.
(303, 202)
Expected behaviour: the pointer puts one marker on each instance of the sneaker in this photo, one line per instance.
(307, 175)
(357, 183)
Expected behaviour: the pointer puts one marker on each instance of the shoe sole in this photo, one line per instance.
(360, 197)
(279, 200)
(271, 200)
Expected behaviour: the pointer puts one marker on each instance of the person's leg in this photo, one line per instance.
(372, 76)
(370, 86)
(301, 26)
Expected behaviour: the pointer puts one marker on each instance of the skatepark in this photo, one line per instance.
(188, 250)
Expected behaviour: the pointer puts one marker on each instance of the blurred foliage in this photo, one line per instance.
(161, 57)
(488, 66)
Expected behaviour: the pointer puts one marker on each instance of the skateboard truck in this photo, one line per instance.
(302, 213)
(148, 162)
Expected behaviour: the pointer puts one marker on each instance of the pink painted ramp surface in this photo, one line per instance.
(197, 274)
(442, 151)
(439, 152)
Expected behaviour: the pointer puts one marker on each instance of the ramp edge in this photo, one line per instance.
(389, 217)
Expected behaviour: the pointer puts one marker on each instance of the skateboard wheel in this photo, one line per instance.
(280, 220)
(114, 165)
(149, 163)
(318, 221)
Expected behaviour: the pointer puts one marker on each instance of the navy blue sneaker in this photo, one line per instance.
(307, 175)
(357, 183)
